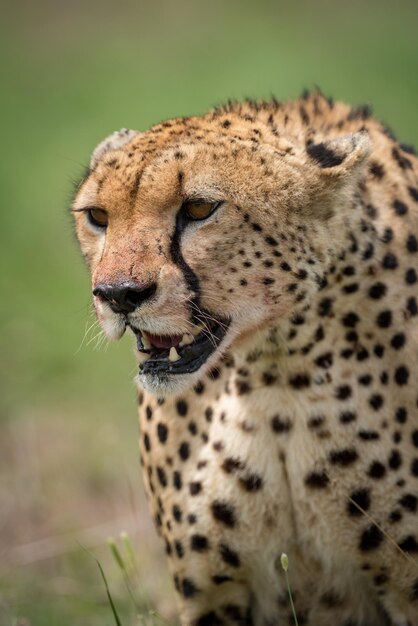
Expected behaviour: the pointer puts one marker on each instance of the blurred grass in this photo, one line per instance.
(71, 74)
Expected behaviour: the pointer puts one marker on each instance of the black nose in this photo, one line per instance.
(125, 297)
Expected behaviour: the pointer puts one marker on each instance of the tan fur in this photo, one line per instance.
(300, 432)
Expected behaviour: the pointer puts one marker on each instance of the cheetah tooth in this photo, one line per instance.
(186, 340)
(173, 355)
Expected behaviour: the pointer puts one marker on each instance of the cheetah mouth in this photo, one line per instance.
(179, 354)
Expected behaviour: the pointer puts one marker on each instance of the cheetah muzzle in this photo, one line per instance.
(168, 355)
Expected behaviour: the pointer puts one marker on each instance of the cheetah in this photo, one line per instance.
(264, 258)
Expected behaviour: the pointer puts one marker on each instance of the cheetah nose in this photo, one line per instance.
(126, 296)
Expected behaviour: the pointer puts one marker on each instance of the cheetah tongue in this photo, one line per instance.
(163, 342)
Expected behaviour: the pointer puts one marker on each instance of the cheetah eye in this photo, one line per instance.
(199, 210)
(98, 217)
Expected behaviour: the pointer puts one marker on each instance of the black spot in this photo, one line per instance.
(148, 412)
(398, 341)
(325, 307)
(376, 401)
(162, 476)
(395, 516)
(380, 579)
(379, 350)
(387, 235)
(189, 588)
(409, 544)
(376, 170)
(299, 381)
(344, 457)
(412, 244)
(359, 498)
(351, 288)
(179, 549)
(401, 415)
(209, 619)
(270, 240)
(413, 192)
(208, 413)
(401, 160)
(182, 408)
(184, 451)
(347, 417)
(414, 437)
(409, 502)
(377, 291)
(229, 556)
(177, 481)
(414, 467)
(231, 465)
(234, 613)
(224, 512)
(401, 375)
(199, 543)
(242, 387)
(395, 460)
(412, 306)
(285, 266)
(323, 155)
(199, 388)
(400, 207)
(350, 320)
(220, 580)
(147, 443)
(343, 392)
(365, 380)
(177, 514)
(268, 378)
(410, 276)
(390, 262)
(162, 432)
(317, 480)
(316, 421)
(376, 470)
(368, 435)
(280, 425)
(251, 482)
(331, 600)
(195, 487)
(324, 360)
(371, 538)
(384, 319)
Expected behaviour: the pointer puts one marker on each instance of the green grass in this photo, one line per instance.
(71, 74)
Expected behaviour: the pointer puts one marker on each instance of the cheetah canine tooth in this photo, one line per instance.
(173, 355)
(186, 340)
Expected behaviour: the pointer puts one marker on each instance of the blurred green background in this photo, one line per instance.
(72, 72)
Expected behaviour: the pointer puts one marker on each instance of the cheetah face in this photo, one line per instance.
(189, 240)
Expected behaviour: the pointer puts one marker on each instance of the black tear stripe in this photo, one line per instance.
(176, 254)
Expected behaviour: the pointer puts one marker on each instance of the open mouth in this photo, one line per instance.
(179, 354)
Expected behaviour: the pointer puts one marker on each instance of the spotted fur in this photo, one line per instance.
(300, 432)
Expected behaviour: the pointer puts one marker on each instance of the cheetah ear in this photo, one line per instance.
(112, 142)
(335, 168)
(340, 156)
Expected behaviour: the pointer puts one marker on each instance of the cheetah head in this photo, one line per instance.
(197, 230)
